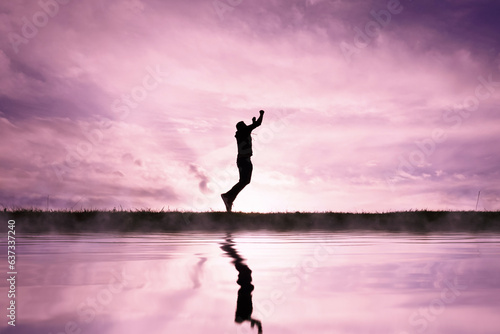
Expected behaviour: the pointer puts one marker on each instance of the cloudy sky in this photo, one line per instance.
(370, 105)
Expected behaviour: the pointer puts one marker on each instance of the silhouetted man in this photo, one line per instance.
(245, 167)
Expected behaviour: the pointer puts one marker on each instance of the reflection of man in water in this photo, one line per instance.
(244, 305)
(245, 167)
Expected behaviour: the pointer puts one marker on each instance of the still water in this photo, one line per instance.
(246, 282)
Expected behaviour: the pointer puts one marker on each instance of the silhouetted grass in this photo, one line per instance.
(38, 221)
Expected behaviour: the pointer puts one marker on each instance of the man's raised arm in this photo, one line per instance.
(258, 121)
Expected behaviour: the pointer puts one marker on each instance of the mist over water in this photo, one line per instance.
(303, 282)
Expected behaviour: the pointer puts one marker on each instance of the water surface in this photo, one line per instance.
(303, 282)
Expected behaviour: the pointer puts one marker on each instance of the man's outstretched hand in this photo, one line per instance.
(256, 122)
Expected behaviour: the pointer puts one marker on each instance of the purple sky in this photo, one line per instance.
(370, 105)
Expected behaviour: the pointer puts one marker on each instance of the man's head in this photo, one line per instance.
(240, 125)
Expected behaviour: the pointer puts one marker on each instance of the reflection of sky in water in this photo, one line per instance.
(304, 283)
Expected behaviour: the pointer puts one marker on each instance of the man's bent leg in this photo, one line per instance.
(245, 168)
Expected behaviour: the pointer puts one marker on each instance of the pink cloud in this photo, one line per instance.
(333, 135)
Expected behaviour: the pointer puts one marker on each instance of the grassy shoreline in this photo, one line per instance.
(34, 221)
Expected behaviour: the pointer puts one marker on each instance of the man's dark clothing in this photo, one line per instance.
(245, 167)
(244, 141)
